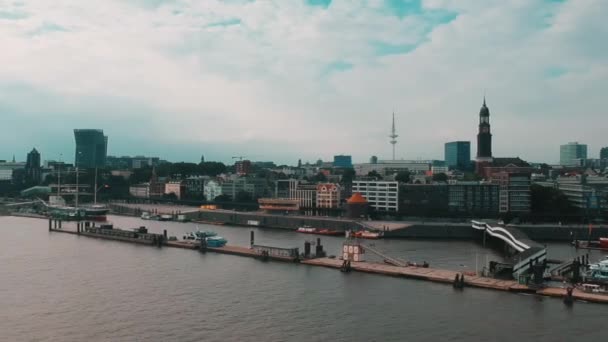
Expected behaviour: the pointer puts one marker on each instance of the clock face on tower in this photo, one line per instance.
(485, 130)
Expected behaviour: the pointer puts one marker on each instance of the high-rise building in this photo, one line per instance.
(343, 161)
(484, 137)
(33, 170)
(572, 154)
(91, 148)
(604, 153)
(458, 154)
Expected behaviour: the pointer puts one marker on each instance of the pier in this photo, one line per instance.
(291, 255)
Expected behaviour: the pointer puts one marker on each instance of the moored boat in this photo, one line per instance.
(365, 234)
(317, 231)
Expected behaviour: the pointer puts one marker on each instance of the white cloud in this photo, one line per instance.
(253, 74)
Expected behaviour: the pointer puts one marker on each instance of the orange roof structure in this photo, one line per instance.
(356, 198)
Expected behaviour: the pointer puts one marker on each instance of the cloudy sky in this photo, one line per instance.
(288, 79)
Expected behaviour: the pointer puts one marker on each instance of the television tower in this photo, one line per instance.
(393, 136)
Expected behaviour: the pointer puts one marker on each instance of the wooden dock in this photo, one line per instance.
(412, 272)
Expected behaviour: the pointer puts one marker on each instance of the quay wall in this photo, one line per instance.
(464, 231)
(415, 229)
(275, 221)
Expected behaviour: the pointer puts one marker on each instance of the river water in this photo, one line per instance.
(61, 287)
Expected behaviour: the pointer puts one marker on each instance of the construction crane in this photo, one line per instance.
(240, 158)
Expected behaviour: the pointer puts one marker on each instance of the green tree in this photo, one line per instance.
(222, 198)
(319, 177)
(211, 168)
(471, 176)
(243, 196)
(348, 175)
(403, 176)
(549, 201)
(440, 177)
(374, 174)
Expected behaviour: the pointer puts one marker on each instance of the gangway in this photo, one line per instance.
(386, 258)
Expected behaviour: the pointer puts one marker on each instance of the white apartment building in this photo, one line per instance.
(212, 189)
(381, 195)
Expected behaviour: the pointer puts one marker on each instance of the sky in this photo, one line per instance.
(302, 79)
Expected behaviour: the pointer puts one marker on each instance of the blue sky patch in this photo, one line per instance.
(16, 15)
(321, 3)
(337, 66)
(385, 49)
(554, 72)
(224, 23)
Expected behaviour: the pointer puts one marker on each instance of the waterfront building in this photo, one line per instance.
(572, 153)
(212, 189)
(242, 167)
(514, 191)
(585, 191)
(343, 161)
(458, 154)
(381, 195)
(195, 186)
(305, 193)
(178, 188)
(254, 187)
(328, 195)
(91, 148)
(33, 170)
(473, 199)
(423, 199)
(356, 206)
(484, 138)
(140, 190)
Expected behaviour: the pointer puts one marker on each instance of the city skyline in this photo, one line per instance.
(178, 80)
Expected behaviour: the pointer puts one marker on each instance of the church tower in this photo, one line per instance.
(484, 137)
(484, 141)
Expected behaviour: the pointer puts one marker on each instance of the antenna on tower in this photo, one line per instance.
(393, 136)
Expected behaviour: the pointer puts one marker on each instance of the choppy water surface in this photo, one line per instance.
(60, 287)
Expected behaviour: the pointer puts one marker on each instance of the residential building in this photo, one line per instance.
(343, 161)
(212, 189)
(140, 190)
(572, 153)
(178, 188)
(242, 167)
(514, 191)
(458, 154)
(381, 195)
(91, 148)
(328, 195)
